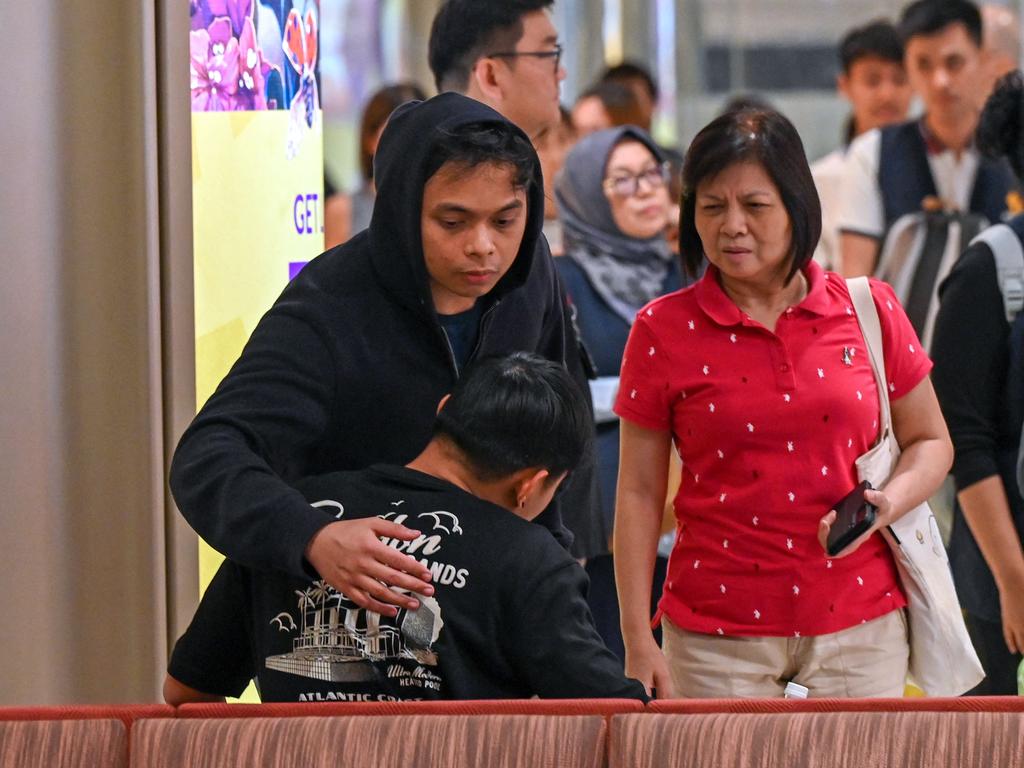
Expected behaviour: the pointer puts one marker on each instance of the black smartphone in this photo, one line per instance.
(854, 516)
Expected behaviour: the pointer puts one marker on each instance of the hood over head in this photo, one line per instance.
(400, 173)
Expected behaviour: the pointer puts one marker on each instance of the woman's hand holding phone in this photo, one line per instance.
(880, 514)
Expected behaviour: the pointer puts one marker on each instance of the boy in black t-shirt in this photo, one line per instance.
(508, 618)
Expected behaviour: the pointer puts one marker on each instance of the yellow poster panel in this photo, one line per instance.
(256, 219)
(257, 199)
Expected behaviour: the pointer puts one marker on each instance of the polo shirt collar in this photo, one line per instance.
(717, 305)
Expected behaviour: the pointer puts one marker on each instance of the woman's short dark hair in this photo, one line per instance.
(376, 112)
(517, 412)
(1001, 127)
(761, 136)
(499, 143)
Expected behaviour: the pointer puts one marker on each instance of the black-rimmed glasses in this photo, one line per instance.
(555, 53)
(627, 185)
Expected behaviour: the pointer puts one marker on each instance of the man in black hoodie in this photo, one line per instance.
(509, 616)
(346, 369)
(506, 54)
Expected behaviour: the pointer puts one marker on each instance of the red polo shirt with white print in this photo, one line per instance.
(768, 426)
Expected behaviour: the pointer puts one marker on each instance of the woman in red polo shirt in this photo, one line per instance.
(760, 377)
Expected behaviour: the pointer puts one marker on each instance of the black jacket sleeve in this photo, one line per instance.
(226, 475)
(215, 655)
(970, 352)
(552, 640)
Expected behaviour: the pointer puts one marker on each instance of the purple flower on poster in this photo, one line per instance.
(238, 50)
(199, 14)
(239, 11)
(215, 67)
(252, 70)
(203, 12)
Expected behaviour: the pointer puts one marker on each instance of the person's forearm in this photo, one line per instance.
(919, 472)
(239, 506)
(637, 527)
(177, 693)
(987, 513)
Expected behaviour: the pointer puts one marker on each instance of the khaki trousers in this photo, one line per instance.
(867, 660)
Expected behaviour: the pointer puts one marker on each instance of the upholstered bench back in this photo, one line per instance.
(427, 741)
(812, 740)
(63, 744)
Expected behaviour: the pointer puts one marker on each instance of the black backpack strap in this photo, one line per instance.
(904, 176)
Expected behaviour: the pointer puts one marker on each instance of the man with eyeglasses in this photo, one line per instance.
(504, 53)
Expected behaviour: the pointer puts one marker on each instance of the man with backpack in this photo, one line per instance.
(915, 193)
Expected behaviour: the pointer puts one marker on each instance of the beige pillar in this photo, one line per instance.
(81, 458)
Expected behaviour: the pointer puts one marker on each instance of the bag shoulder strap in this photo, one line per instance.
(871, 328)
(1009, 255)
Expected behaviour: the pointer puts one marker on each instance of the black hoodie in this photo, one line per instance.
(348, 366)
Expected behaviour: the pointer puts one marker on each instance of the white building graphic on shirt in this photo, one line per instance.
(338, 640)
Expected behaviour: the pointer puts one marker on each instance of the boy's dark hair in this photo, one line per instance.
(762, 136)
(472, 144)
(465, 30)
(517, 412)
(628, 71)
(927, 17)
(1001, 126)
(377, 111)
(879, 39)
(618, 101)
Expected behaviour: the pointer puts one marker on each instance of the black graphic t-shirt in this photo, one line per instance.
(508, 618)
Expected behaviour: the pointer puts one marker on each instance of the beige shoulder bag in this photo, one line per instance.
(942, 660)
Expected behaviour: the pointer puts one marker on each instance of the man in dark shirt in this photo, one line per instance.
(346, 369)
(506, 54)
(508, 617)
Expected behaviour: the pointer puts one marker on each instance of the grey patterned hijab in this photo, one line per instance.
(625, 271)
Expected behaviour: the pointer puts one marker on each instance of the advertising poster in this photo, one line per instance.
(257, 171)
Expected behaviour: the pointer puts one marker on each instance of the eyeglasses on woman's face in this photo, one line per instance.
(628, 184)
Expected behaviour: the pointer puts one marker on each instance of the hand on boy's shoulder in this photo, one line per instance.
(350, 556)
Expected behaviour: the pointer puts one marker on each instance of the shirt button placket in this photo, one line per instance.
(782, 366)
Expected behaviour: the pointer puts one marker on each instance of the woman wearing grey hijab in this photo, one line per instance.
(613, 201)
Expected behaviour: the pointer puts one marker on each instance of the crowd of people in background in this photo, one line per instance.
(696, 298)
